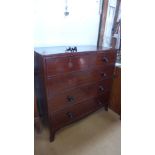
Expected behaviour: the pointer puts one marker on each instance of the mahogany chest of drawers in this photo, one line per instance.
(71, 85)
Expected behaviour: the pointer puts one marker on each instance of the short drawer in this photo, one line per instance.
(72, 113)
(79, 94)
(68, 64)
(70, 80)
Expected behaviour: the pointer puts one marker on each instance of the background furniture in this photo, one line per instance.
(115, 98)
(71, 85)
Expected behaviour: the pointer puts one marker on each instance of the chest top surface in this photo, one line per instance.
(47, 51)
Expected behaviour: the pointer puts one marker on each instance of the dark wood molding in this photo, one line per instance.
(116, 14)
(37, 121)
(102, 22)
(113, 40)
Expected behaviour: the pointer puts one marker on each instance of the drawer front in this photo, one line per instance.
(79, 94)
(67, 64)
(70, 80)
(72, 113)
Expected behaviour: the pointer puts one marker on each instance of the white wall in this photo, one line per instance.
(52, 28)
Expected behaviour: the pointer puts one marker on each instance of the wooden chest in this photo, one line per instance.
(71, 85)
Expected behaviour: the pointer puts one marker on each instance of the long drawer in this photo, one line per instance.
(72, 113)
(67, 64)
(70, 80)
(79, 94)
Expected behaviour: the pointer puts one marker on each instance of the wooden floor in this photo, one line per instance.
(97, 134)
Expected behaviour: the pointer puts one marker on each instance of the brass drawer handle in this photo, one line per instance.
(103, 74)
(101, 88)
(105, 59)
(70, 98)
(70, 115)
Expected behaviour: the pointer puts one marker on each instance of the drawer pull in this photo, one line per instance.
(70, 115)
(101, 88)
(103, 74)
(70, 98)
(105, 59)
